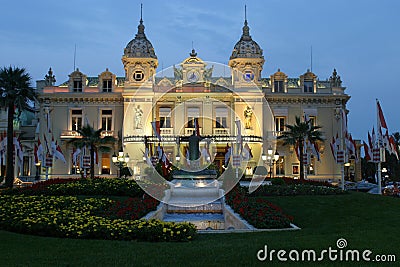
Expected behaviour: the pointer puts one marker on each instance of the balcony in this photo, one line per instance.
(70, 134)
(166, 131)
(221, 131)
(107, 133)
(189, 131)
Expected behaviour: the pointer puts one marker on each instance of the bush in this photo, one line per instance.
(67, 216)
(89, 187)
(295, 189)
(277, 181)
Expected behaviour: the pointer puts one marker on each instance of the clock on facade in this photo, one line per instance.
(192, 76)
(248, 76)
(138, 75)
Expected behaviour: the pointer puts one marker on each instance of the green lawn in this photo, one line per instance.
(365, 221)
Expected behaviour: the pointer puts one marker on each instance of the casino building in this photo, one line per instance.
(124, 107)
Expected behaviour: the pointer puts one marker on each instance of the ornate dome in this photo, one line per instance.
(246, 47)
(140, 47)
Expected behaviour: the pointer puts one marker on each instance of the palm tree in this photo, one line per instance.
(92, 138)
(15, 92)
(296, 135)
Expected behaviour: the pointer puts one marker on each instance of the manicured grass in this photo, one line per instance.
(365, 221)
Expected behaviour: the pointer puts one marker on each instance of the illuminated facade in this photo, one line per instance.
(124, 107)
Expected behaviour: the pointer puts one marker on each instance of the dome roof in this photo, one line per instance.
(246, 47)
(140, 46)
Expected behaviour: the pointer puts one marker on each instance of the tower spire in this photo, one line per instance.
(141, 13)
(245, 14)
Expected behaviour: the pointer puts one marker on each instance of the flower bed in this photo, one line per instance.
(132, 208)
(68, 216)
(296, 189)
(90, 187)
(257, 211)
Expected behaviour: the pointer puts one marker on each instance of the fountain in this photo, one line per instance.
(196, 196)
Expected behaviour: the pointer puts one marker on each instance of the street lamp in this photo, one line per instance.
(269, 152)
(120, 160)
(37, 164)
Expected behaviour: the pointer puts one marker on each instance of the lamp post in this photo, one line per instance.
(121, 160)
(37, 164)
(276, 157)
(269, 153)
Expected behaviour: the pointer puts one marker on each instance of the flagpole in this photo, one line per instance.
(379, 147)
(342, 148)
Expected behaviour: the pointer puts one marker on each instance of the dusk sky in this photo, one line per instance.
(359, 38)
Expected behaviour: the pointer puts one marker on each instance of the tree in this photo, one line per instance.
(15, 93)
(92, 139)
(299, 132)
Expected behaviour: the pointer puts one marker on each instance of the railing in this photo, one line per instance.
(107, 133)
(70, 134)
(174, 138)
(221, 131)
(166, 131)
(189, 131)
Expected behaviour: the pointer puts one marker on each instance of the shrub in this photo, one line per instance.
(277, 181)
(295, 189)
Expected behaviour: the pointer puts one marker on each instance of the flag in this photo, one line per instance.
(53, 146)
(48, 120)
(160, 152)
(40, 151)
(35, 149)
(247, 155)
(18, 148)
(386, 142)
(315, 150)
(196, 127)
(370, 142)
(228, 152)
(75, 156)
(393, 147)
(57, 153)
(373, 137)
(367, 152)
(156, 129)
(334, 146)
(381, 118)
(47, 144)
(239, 133)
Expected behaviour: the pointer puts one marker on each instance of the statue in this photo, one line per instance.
(248, 113)
(178, 74)
(138, 117)
(208, 72)
(194, 144)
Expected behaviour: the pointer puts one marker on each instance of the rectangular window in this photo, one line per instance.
(77, 86)
(280, 166)
(165, 117)
(278, 87)
(221, 117)
(76, 119)
(106, 119)
(279, 124)
(105, 163)
(192, 113)
(107, 85)
(308, 86)
(25, 166)
(312, 120)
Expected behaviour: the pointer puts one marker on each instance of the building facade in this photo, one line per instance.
(124, 107)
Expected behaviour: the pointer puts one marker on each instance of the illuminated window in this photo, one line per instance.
(192, 113)
(279, 124)
(76, 119)
(105, 163)
(280, 166)
(165, 117)
(221, 117)
(106, 119)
